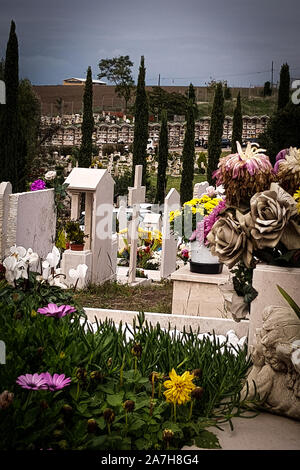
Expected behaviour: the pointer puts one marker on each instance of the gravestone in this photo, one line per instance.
(98, 186)
(169, 243)
(200, 188)
(27, 219)
(122, 218)
(136, 196)
(152, 221)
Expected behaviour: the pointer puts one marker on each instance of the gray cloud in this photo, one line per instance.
(183, 41)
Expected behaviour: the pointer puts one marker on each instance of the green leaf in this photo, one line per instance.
(115, 400)
(289, 300)
(136, 425)
(207, 440)
(142, 444)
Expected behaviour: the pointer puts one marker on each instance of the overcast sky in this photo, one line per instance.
(183, 41)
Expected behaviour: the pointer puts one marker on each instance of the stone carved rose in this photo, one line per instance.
(269, 217)
(229, 242)
(276, 362)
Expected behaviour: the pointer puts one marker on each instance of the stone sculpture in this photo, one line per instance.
(276, 362)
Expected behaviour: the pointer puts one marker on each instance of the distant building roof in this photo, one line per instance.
(82, 80)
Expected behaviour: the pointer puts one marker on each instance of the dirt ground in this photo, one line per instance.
(155, 297)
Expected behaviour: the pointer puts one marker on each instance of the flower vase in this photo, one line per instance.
(202, 261)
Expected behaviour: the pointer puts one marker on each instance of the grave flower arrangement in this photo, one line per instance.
(261, 219)
(184, 222)
(148, 250)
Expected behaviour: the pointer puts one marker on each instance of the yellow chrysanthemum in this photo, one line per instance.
(179, 387)
(297, 198)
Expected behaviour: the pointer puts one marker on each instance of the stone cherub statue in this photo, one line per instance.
(276, 362)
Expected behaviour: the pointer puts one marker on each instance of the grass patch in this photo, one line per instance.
(113, 295)
(174, 181)
(250, 107)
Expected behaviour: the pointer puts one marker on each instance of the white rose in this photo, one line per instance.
(50, 175)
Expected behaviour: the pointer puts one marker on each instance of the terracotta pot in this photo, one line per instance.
(76, 247)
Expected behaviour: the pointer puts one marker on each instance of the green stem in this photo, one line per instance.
(191, 410)
(78, 391)
(135, 365)
(174, 412)
(108, 428)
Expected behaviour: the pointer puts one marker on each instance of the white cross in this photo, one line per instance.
(136, 196)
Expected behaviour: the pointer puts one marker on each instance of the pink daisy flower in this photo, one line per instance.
(53, 310)
(32, 381)
(56, 382)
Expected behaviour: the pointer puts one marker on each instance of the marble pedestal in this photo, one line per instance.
(265, 281)
(70, 260)
(198, 294)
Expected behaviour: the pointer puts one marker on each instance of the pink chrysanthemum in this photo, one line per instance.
(243, 174)
(206, 224)
(56, 382)
(280, 156)
(32, 381)
(53, 310)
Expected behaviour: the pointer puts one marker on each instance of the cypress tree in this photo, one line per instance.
(163, 152)
(141, 117)
(12, 146)
(188, 155)
(237, 125)
(86, 148)
(284, 87)
(215, 133)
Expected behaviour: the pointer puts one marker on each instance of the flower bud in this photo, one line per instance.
(154, 377)
(96, 375)
(197, 393)
(44, 405)
(63, 445)
(60, 424)
(6, 399)
(92, 426)
(67, 409)
(168, 435)
(109, 415)
(109, 362)
(129, 405)
(81, 374)
(197, 373)
(57, 433)
(40, 351)
(137, 350)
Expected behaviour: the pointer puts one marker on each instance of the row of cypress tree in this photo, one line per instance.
(12, 140)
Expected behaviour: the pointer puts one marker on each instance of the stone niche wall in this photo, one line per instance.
(27, 219)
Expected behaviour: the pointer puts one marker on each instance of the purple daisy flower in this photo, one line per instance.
(53, 310)
(56, 382)
(32, 381)
(37, 185)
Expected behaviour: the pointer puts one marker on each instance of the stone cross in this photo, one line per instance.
(169, 243)
(136, 196)
(200, 189)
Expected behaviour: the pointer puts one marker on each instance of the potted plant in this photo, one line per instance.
(75, 236)
(192, 223)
